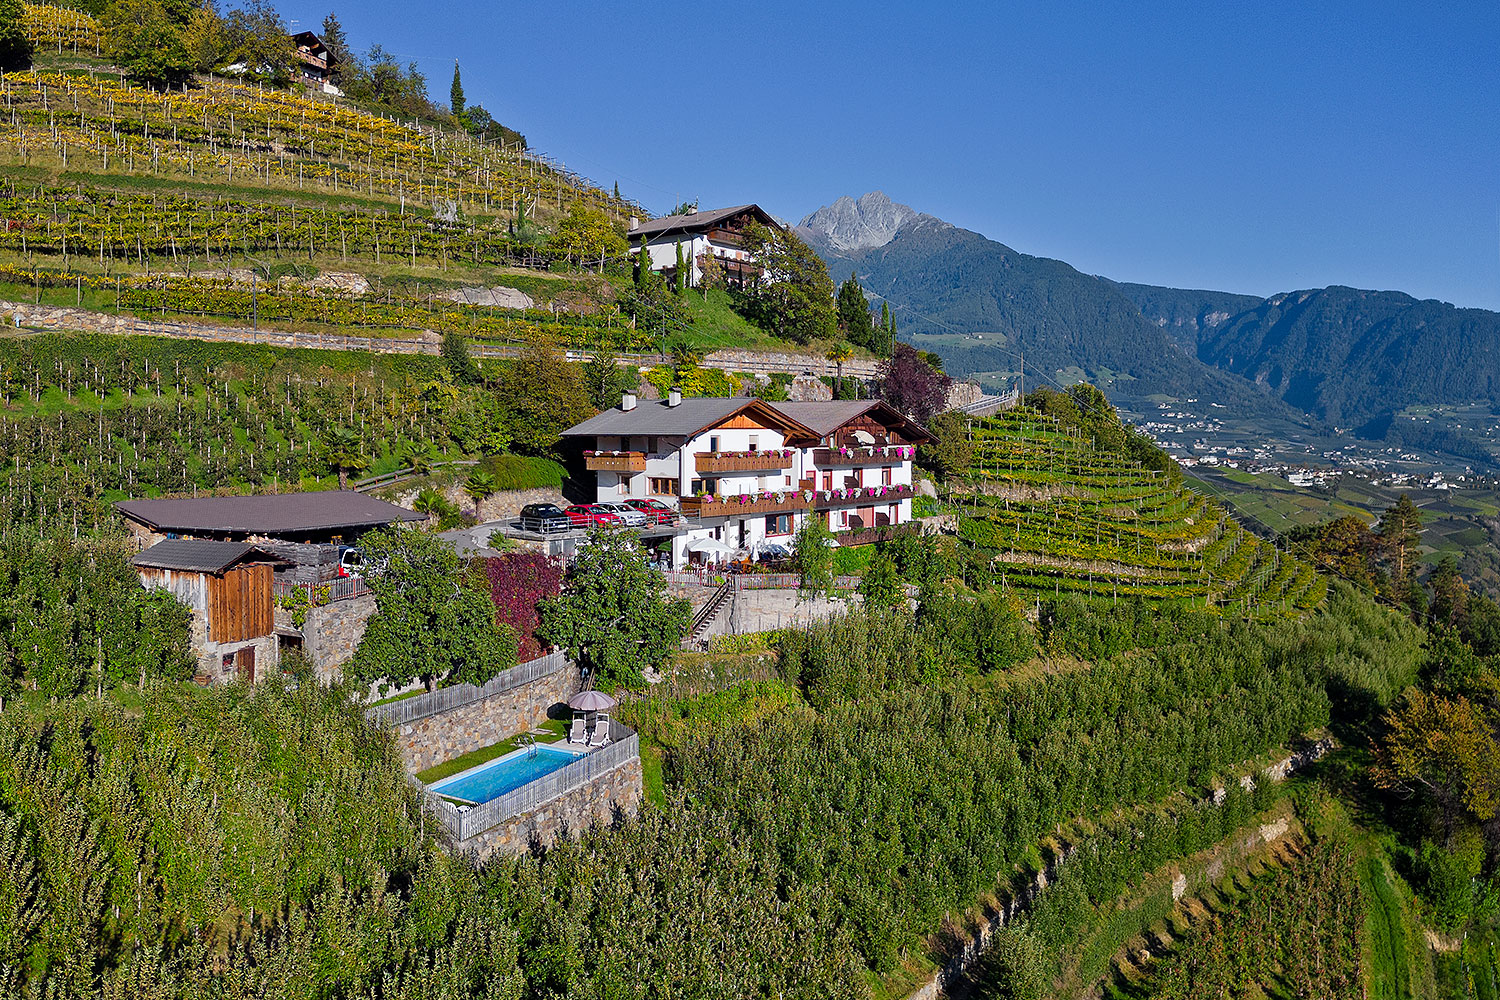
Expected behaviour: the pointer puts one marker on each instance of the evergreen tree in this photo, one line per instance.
(1400, 529)
(854, 314)
(642, 267)
(885, 339)
(679, 277)
(617, 190)
(335, 39)
(456, 93)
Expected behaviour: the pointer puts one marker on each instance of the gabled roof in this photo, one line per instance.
(698, 221)
(687, 418)
(827, 416)
(272, 514)
(195, 556)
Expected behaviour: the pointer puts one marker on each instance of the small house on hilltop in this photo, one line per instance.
(227, 586)
(316, 66)
(716, 233)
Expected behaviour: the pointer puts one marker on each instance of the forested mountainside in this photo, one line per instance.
(1348, 356)
(981, 305)
(1340, 355)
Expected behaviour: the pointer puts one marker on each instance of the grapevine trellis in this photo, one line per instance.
(1061, 516)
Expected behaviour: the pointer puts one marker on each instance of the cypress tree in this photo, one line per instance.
(642, 266)
(854, 314)
(679, 281)
(456, 93)
(887, 332)
(617, 190)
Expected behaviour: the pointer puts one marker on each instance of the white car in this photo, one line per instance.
(627, 514)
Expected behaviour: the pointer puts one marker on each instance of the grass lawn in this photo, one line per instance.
(557, 727)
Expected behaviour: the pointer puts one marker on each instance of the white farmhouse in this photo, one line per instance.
(745, 473)
(717, 233)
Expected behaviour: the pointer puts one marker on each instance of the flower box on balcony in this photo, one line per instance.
(615, 461)
(863, 495)
(743, 461)
(747, 503)
(891, 454)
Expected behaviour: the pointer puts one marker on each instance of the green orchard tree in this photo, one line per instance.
(812, 549)
(432, 623)
(614, 613)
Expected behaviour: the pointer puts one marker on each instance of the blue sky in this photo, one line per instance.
(1252, 147)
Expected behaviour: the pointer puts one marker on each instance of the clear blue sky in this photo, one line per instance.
(1254, 147)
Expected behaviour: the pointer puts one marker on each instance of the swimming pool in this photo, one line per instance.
(492, 780)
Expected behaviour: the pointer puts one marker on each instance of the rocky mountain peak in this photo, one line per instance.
(871, 220)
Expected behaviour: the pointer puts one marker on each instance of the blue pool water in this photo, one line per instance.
(492, 780)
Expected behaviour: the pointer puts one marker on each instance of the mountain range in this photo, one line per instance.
(1338, 356)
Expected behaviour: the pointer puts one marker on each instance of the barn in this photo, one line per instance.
(227, 585)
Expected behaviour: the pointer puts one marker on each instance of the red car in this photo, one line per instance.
(659, 512)
(584, 514)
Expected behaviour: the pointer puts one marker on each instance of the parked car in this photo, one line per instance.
(545, 517)
(627, 514)
(351, 562)
(658, 512)
(584, 514)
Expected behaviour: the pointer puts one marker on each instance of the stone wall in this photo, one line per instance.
(331, 633)
(737, 360)
(617, 792)
(450, 734)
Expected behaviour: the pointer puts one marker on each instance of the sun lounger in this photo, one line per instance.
(601, 733)
(578, 732)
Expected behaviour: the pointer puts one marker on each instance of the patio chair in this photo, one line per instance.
(601, 732)
(578, 732)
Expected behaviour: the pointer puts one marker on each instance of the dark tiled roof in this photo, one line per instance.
(655, 417)
(694, 222)
(827, 416)
(277, 514)
(194, 556)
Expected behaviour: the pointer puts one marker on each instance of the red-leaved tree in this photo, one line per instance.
(912, 385)
(518, 582)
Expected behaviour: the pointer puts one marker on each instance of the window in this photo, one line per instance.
(843, 519)
(828, 480)
(663, 487)
(755, 442)
(895, 512)
(788, 482)
(778, 524)
(713, 442)
(885, 476)
(651, 445)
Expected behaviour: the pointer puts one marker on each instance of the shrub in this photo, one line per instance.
(519, 582)
(522, 472)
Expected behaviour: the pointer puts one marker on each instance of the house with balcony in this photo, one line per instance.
(746, 473)
(716, 233)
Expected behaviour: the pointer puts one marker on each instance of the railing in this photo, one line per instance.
(709, 611)
(879, 455)
(824, 499)
(878, 533)
(318, 594)
(786, 581)
(446, 699)
(743, 461)
(615, 461)
(464, 824)
(757, 503)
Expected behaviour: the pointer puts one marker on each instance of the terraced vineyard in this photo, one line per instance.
(1054, 514)
(226, 202)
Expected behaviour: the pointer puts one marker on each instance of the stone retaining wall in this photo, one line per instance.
(331, 633)
(455, 732)
(617, 792)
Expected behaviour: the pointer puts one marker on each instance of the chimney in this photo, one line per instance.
(627, 401)
(633, 224)
(674, 396)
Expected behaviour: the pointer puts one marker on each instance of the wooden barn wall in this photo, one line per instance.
(239, 604)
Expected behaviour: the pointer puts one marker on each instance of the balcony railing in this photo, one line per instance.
(746, 503)
(615, 461)
(862, 496)
(878, 455)
(709, 462)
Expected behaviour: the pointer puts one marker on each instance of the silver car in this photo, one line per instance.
(627, 514)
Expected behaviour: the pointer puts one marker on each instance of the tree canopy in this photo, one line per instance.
(794, 297)
(614, 614)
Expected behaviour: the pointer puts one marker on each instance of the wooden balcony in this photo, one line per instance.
(615, 461)
(758, 503)
(712, 462)
(864, 496)
(895, 454)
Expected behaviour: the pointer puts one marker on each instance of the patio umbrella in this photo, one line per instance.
(591, 701)
(707, 545)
